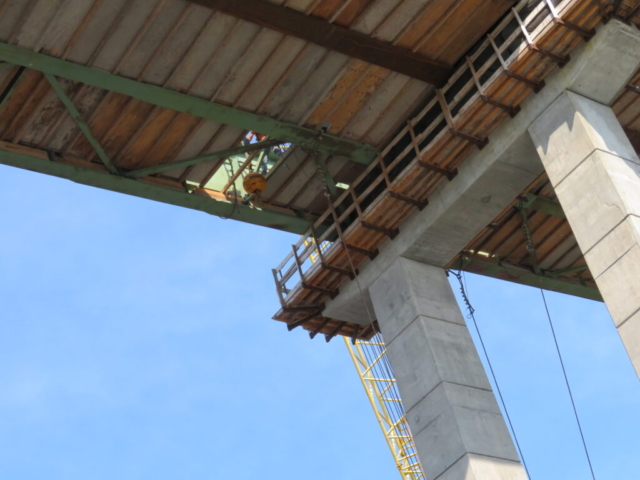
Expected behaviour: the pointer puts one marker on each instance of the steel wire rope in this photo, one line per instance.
(377, 358)
(375, 354)
(385, 367)
(471, 315)
(566, 380)
(400, 412)
(382, 369)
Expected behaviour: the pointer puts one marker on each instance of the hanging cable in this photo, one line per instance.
(471, 315)
(384, 365)
(566, 380)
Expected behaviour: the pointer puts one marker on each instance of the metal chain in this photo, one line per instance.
(528, 235)
(323, 179)
(471, 316)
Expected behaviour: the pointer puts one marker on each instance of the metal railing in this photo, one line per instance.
(496, 55)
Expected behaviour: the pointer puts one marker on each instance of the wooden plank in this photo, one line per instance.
(448, 150)
(334, 37)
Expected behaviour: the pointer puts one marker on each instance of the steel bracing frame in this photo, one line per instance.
(120, 180)
(493, 267)
(173, 193)
(181, 102)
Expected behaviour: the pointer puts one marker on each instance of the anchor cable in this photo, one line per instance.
(471, 316)
(566, 380)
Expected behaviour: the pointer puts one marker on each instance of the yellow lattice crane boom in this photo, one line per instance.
(376, 374)
(374, 370)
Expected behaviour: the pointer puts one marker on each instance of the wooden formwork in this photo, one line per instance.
(509, 65)
(557, 255)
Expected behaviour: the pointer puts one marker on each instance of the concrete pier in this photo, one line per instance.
(454, 417)
(494, 176)
(595, 172)
(459, 431)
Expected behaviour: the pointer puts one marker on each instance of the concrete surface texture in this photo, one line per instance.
(452, 412)
(459, 431)
(493, 177)
(595, 172)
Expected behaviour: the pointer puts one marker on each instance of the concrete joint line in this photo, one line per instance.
(632, 160)
(401, 331)
(450, 466)
(585, 158)
(549, 103)
(617, 260)
(627, 319)
(426, 426)
(434, 388)
(568, 174)
(478, 409)
(479, 455)
(625, 31)
(424, 316)
(421, 399)
(609, 232)
(605, 235)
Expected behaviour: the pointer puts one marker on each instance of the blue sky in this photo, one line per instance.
(136, 343)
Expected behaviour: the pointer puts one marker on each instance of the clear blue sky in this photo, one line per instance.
(136, 343)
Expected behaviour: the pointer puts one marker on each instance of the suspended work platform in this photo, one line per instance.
(393, 138)
(487, 89)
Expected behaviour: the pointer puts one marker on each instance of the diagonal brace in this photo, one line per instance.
(207, 157)
(82, 125)
(190, 104)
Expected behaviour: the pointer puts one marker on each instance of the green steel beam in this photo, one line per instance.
(12, 87)
(542, 204)
(199, 107)
(493, 268)
(82, 125)
(565, 271)
(142, 189)
(207, 157)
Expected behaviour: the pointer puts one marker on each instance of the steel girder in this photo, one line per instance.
(491, 267)
(199, 107)
(173, 193)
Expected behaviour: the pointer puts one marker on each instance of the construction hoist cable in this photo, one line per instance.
(566, 380)
(471, 316)
(399, 435)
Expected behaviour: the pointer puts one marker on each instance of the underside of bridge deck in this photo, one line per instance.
(526, 239)
(378, 102)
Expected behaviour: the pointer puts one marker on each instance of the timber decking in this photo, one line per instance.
(447, 130)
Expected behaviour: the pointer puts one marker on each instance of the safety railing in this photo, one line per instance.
(428, 149)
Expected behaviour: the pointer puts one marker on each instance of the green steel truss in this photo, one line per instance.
(198, 199)
(115, 179)
(493, 267)
(199, 107)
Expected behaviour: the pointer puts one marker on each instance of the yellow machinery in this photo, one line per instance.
(254, 183)
(374, 370)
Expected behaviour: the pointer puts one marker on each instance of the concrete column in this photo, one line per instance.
(595, 172)
(455, 420)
